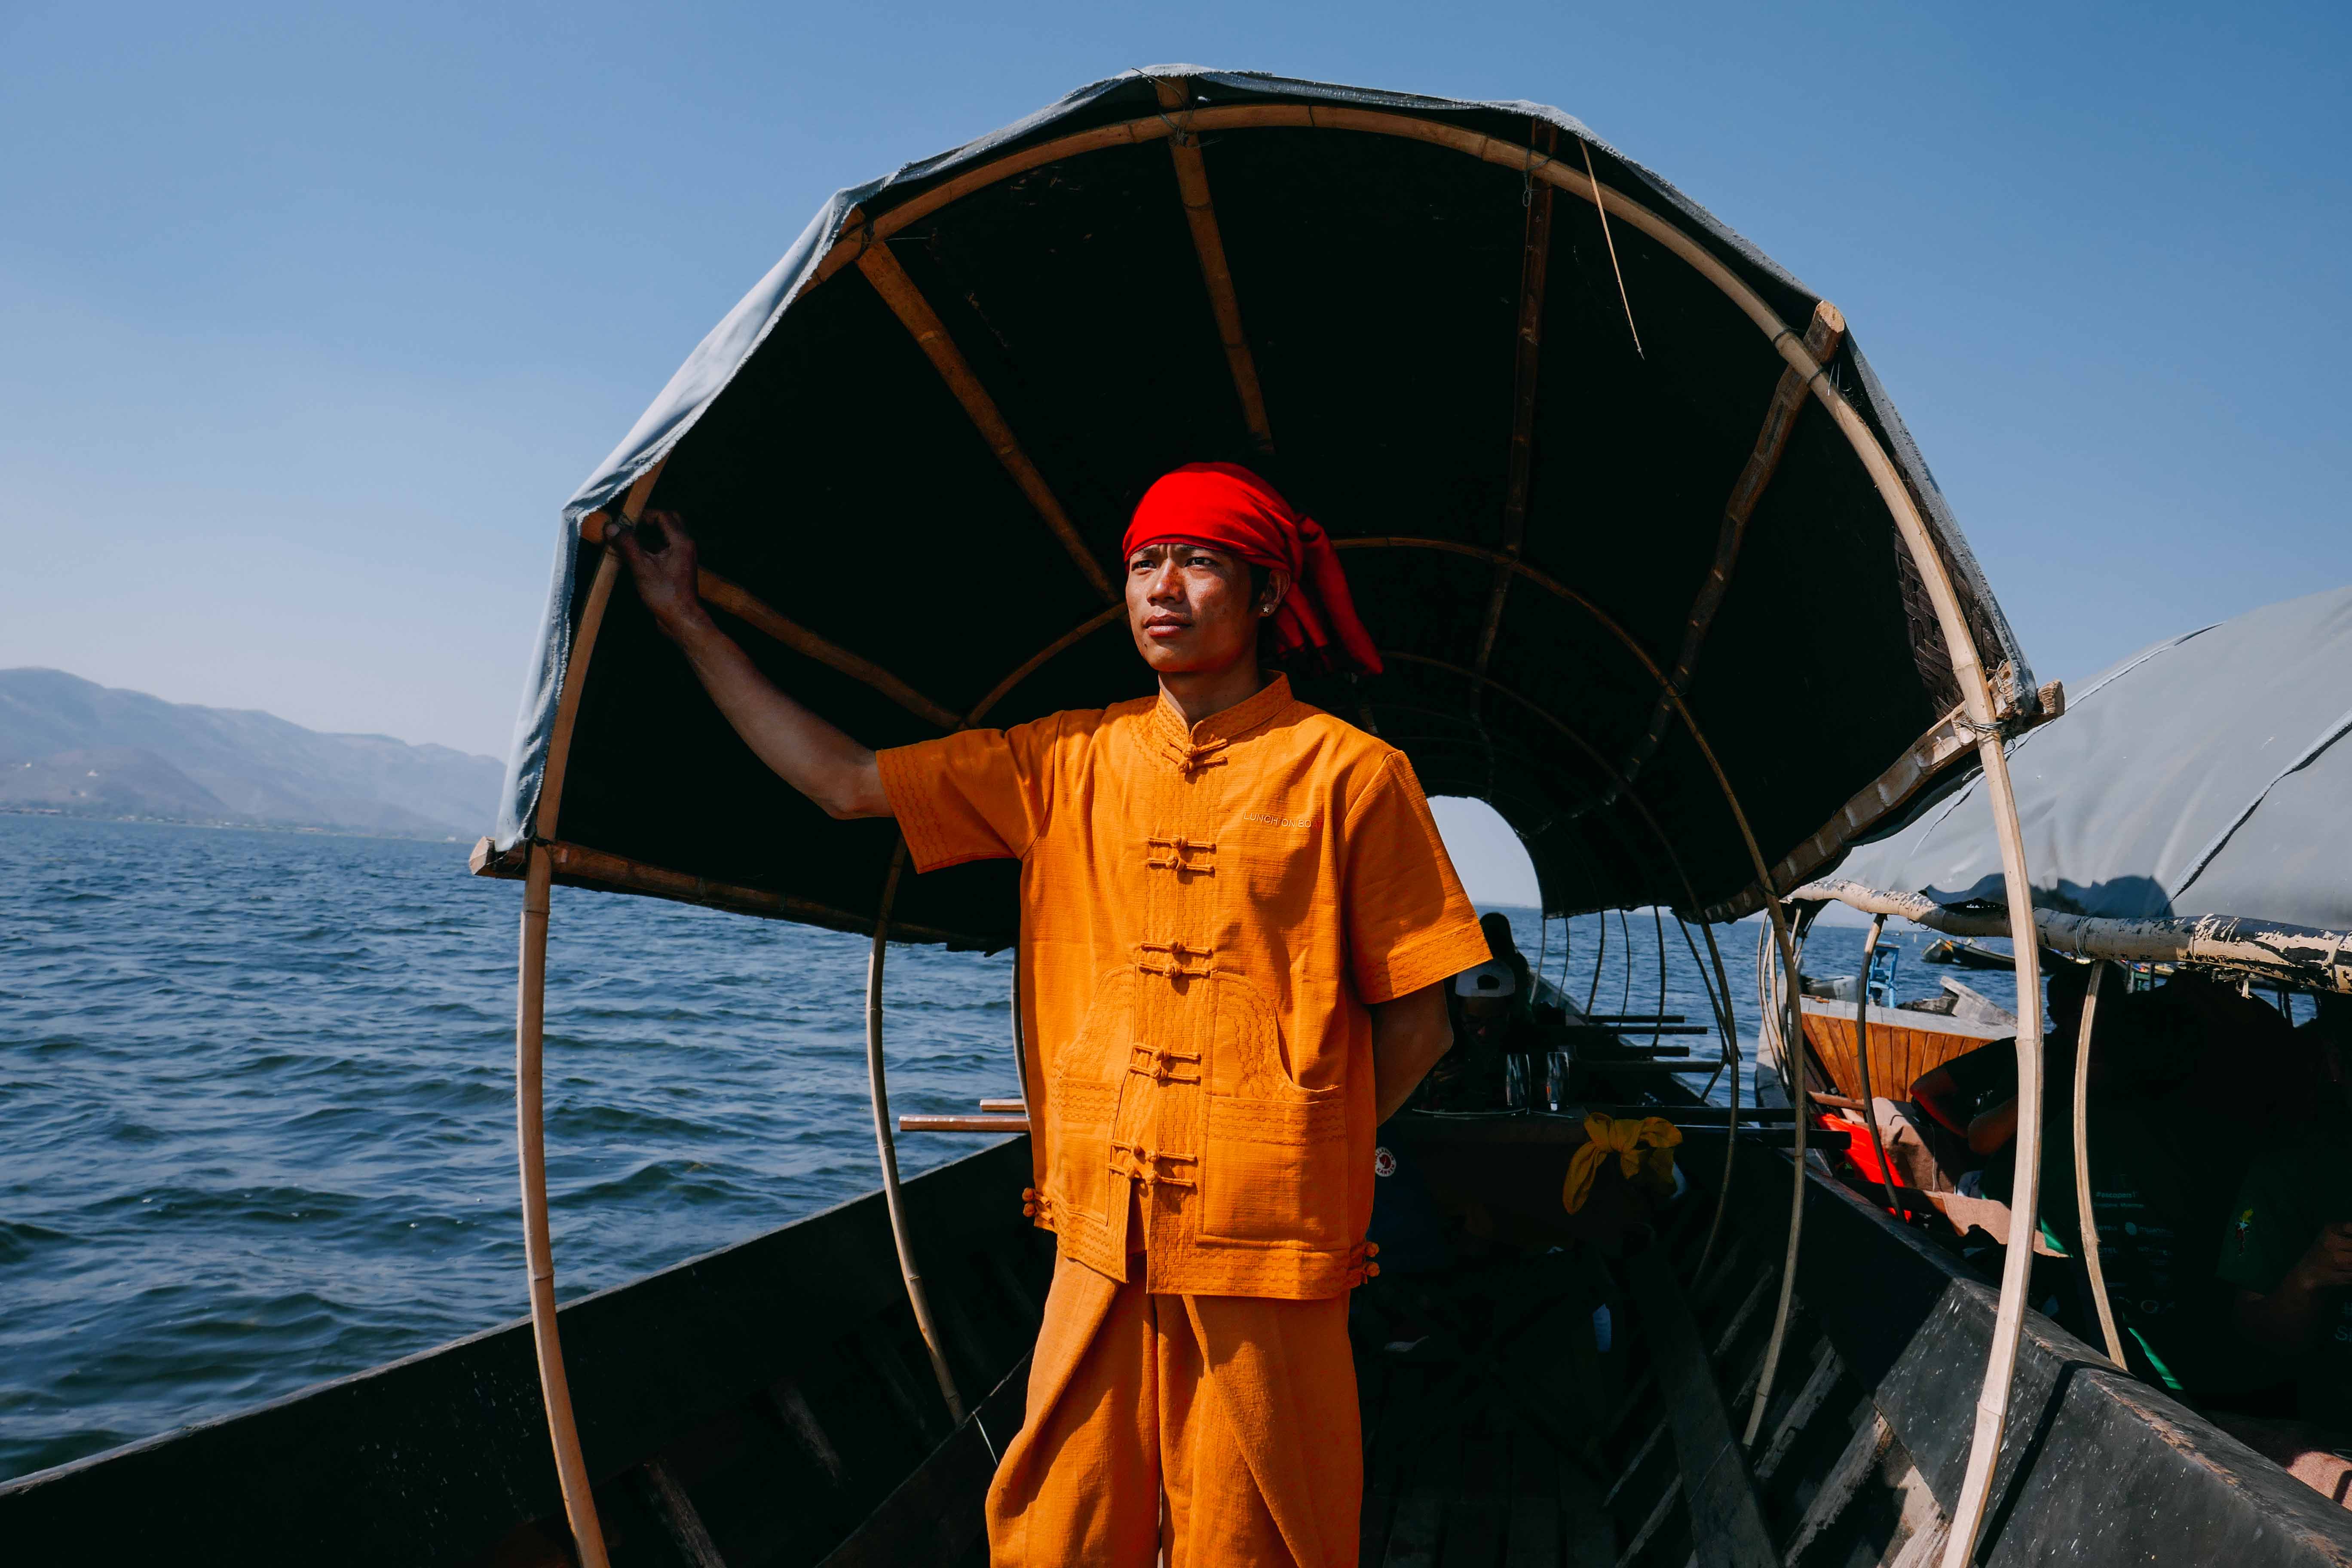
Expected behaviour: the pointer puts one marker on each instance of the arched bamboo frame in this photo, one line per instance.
(530, 1034)
(2087, 1221)
(1719, 993)
(860, 232)
(885, 1145)
(1773, 908)
(1861, 1063)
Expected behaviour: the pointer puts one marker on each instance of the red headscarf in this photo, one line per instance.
(1226, 506)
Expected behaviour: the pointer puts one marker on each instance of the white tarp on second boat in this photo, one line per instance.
(2200, 776)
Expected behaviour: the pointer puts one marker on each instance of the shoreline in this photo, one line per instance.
(52, 812)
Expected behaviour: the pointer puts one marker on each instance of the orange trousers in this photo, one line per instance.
(1240, 1410)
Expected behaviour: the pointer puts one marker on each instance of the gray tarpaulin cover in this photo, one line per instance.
(2206, 776)
(826, 468)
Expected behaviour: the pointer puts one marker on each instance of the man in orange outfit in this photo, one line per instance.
(1236, 915)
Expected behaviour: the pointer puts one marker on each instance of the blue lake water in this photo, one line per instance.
(257, 1123)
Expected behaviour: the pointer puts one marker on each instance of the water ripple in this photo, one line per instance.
(258, 1090)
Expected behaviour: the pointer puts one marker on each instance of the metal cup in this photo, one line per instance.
(1515, 1081)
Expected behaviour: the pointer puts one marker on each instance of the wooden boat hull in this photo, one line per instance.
(1903, 1046)
(768, 1404)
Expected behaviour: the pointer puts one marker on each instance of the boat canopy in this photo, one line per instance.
(1602, 489)
(2199, 785)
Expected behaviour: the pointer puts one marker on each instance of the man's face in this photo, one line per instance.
(1481, 1010)
(1189, 608)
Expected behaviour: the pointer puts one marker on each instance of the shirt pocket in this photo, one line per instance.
(1089, 1073)
(1274, 1158)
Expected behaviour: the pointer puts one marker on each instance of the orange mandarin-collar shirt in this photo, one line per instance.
(1206, 914)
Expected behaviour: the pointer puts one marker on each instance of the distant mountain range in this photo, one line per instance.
(71, 746)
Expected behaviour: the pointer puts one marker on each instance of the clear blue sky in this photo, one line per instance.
(310, 318)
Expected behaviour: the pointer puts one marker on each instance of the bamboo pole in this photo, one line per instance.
(2298, 955)
(2009, 1321)
(886, 1144)
(739, 601)
(1625, 964)
(538, 1247)
(1020, 1035)
(1861, 1065)
(1794, 1064)
(576, 864)
(1823, 337)
(1008, 1121)
(1976, 695)
(915, 313)
(1658, 923)
(1731, 1057)
(1209, 244)
(2087, 1218)
(530, 1037)
(1926, 757)
(1600, 956)
(1535, 271)
(1609, 240)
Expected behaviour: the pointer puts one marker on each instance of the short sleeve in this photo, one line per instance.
(977, 795)
(1409, 923)
(2266, 1232)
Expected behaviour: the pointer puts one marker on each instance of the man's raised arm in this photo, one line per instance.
(807, 753)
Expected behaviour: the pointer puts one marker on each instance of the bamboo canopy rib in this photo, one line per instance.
(720, 593)
(1534, 272)
(577, 866)
(907, 303)
(1823, 335)
(1200, 214)
(1952, 737)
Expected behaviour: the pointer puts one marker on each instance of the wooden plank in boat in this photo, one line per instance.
(1475, 1524)
(934, 1515)
(1590, 1535)
(1393, 1405)
(2096, 1460)
(1726, 1524)
(1427, 1485)
(1535, 1510)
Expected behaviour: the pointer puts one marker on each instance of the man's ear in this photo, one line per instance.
(1277, 587)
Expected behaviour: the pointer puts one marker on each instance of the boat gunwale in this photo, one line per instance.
(18, 1490)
